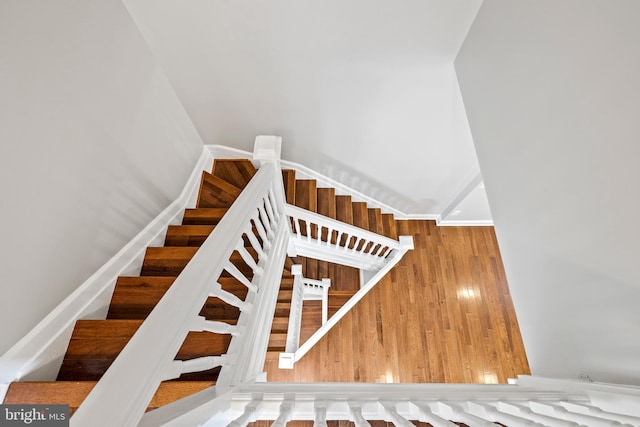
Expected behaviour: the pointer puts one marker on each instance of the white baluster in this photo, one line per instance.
(526, 412)
(253, 240)
(229, 298)
(272, 217)
(262, 232)
(308, 230)
(320, 408)
(595, 411)
(248, 259)
(250, 412)
(286, 411)
(216, 327)
(493, 414)
(237, 274)
(397, 419)
(339, 239)
(461, 415)
(589, 420)
(296, 227)
(265, 220)
(179, 367)
(272, 201)
(356, 415)
(428, 416)
(325, 299)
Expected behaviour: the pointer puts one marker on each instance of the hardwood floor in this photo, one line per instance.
(442, 315)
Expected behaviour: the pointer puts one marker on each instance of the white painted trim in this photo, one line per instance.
(47, 342)
(462, 194)
(454, 223)
(323, 181)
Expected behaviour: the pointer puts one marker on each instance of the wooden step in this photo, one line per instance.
(282, 309)
(237, 172)
(187, 235)
(135, 297)
(289, 179)
(375, 220)
(286, 283)
(171, 260)
(73, 393)
(306, 194)
(277, 340)
(203, 216)
(326, 202)
(285, 295)
(389, 226)
(360, 215)
(344, 209)
(215, 192)
(95, 344)
(280, 324)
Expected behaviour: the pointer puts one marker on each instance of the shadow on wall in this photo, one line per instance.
(369, 186)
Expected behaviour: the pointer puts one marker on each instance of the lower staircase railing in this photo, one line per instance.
(257, 216)
(532, 401)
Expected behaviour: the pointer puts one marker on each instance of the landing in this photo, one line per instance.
(443, 314)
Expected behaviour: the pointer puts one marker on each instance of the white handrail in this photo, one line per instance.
(122, 394)
(344, 243)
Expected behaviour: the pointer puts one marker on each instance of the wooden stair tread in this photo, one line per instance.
(187, 235)
(203, 216)
(360, 215)
(389, 226)
(306, 194)
(237, 172)
(375, 220)
(289, 180)
(215, 192)
(134, 297)
(171, 260)
(73, 393)
(95, 344)
(326, 203)
(344, 209)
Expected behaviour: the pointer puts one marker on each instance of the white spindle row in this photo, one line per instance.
(324, 238)
(510, 405)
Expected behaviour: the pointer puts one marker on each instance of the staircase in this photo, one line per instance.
(345, 280)
(95, 344)
(154, 317)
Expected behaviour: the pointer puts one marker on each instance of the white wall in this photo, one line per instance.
(363, 92)
(93, 144)
(551, 91)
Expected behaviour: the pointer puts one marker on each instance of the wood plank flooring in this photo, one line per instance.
(442, 315)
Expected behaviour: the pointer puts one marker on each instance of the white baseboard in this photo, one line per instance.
(38, 355)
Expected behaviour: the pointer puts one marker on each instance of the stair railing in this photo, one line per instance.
(515, 405)
(320, 237)
(404, 244)
(257, 216)
(304, 289)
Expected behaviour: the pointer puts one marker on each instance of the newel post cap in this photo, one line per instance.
(267, 148)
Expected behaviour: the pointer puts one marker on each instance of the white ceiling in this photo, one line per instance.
(362, 91)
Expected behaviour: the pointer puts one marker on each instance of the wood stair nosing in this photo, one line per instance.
(203, 216)
(237, 172)
(171, 260)
(73, 393)
(289, 180)
(215, 192)
(95, 344)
